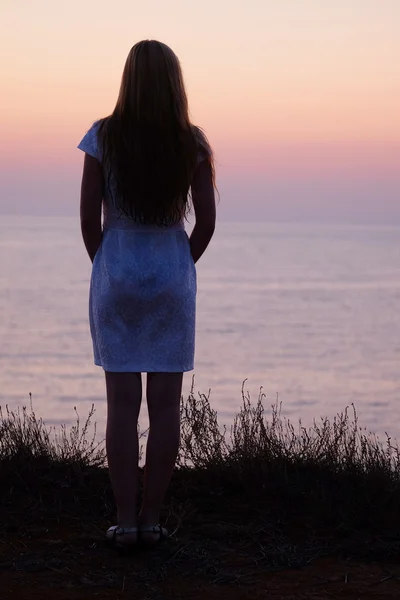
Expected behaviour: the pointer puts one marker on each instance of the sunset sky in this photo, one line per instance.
(300, 99)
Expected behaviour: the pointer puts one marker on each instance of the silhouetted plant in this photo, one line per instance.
(332, 476)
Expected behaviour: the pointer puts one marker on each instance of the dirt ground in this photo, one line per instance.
(67, 564)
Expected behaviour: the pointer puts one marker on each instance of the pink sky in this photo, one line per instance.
(300, 99)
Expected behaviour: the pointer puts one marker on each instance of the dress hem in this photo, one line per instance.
(130, 369)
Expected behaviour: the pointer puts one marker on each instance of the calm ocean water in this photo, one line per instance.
(309, 312)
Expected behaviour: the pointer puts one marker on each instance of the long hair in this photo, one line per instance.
(150, 147)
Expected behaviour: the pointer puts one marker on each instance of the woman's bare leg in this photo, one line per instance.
(163, 400)
(124, 395)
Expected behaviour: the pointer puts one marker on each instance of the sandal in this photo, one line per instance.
(115, 532)
(160, 531)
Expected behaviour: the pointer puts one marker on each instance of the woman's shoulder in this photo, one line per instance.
(97, 127)
(91, 143)
(202, 141)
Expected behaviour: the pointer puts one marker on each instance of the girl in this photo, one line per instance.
(140, 164)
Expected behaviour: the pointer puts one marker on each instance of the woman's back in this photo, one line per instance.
(114, 214)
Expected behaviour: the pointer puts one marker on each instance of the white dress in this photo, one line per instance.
(142, 300)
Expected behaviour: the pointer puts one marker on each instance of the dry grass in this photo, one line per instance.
(266, 493)
(333, 473)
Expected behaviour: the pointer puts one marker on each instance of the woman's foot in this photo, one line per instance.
(122, 538)
(151, 535)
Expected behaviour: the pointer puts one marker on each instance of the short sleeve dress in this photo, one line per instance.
(142, 299)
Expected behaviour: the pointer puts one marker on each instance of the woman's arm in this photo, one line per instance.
(91, 200)
(204, 208)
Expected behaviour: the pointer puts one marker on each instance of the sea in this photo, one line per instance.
(306, 314)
